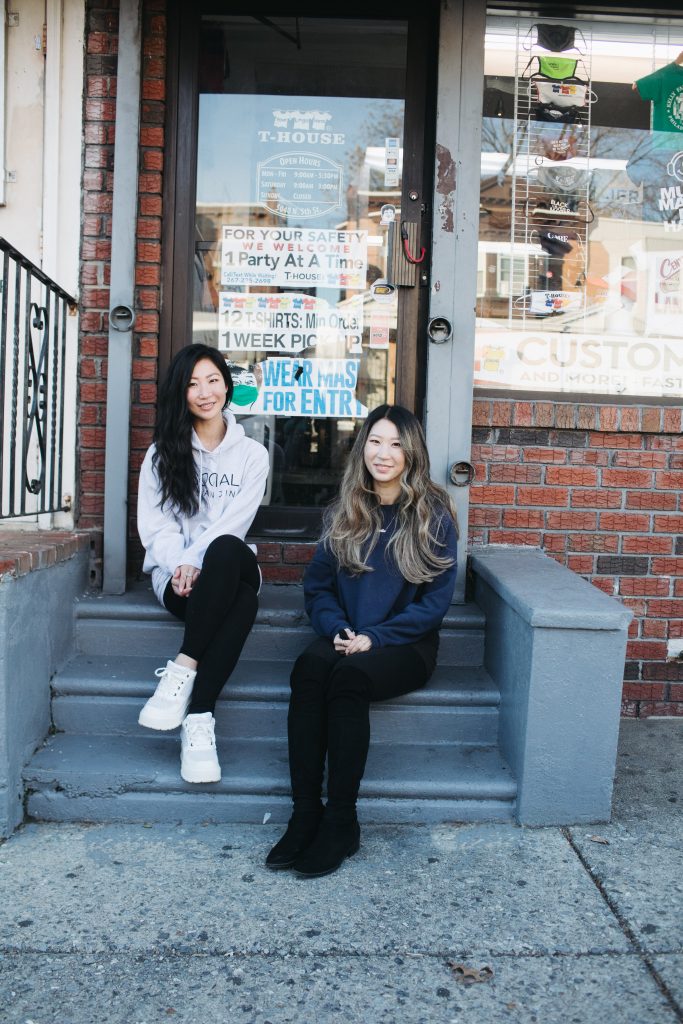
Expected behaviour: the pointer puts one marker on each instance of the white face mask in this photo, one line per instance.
(562, 94)
(545, 303)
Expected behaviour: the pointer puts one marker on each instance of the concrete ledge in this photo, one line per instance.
(544, 593)
(40, 575)
(555, 647)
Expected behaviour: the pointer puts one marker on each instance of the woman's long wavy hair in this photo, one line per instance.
(353, 522)
(173, 457)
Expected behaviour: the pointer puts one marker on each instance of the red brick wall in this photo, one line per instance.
(98, 166)
(599, 488)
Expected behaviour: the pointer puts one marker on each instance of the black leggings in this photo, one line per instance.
(329, 715)
(218, 614)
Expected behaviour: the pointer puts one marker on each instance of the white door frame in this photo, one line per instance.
(450, 365)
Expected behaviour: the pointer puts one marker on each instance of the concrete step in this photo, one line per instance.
(104, 695)
(135, 623)
(122, 778)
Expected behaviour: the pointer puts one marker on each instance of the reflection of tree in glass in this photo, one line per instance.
(386, 122)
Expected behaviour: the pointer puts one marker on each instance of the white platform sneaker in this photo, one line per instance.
(198, 758)
(166, 708)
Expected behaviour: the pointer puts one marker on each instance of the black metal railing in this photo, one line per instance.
(33, 329)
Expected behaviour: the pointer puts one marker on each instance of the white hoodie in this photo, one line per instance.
(232, 481)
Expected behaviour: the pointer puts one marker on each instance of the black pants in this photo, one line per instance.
(218, 614)
(329, 715)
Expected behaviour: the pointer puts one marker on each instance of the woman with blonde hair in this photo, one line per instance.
(376, 591)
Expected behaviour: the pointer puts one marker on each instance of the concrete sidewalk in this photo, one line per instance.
(125, 923)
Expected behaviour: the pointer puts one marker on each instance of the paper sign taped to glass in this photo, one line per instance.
(608, 364)
(319, 388)
(287, 322)
(290, 257)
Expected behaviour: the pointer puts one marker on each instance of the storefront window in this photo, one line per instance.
(299, 170)
(579, 285)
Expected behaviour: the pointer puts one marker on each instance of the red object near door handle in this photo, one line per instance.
(406, 248)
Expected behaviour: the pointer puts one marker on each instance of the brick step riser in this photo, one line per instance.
(191, 808)
(265, 643)
(268, 720)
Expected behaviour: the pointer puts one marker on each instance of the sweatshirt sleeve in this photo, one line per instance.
(427, 612)
(160, 531)
(239, 514)
(321, 594)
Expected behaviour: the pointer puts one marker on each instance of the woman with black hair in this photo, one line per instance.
(376, 591)
(201, 483)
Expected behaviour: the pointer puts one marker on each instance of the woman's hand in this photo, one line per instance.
(357, 643)
(183, 579)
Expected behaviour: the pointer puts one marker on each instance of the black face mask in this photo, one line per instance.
(555, 38)
(557, 241)
(555, 114)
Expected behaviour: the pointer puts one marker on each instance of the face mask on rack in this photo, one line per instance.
(564, 178)
(558, 241)
(561, 94)
(547, 303)
(555, 69)
(555, 114)
(552, 208)
(555, 38)
(561, 145)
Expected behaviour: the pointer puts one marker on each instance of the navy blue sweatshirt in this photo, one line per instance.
(381, 604)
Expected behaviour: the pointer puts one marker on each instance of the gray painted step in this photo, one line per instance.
(98, 778)
(279, 605)
(265, 643)
(136, 624)
(118, 716)
(104, 695)
(132, 676)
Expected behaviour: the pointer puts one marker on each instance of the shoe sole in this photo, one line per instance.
(199, 776)
(161, 723)
(330, 871)
(281, 867)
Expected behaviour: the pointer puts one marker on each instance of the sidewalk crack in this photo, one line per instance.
(644, 955)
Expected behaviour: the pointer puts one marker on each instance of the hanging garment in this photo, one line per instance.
(664, 88)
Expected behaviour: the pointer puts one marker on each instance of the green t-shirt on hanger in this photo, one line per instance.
(665, 90)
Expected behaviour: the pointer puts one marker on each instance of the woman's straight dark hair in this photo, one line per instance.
(172, 456)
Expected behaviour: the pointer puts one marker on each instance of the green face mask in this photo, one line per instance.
(557, 68)
(244, 394)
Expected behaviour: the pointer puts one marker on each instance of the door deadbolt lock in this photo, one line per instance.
(439, 330)
(461, 474)
(121, 318)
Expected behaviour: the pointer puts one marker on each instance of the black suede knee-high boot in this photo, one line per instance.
(306, 737)
(338, 837)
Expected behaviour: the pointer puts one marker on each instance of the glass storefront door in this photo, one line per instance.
(309, 212)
